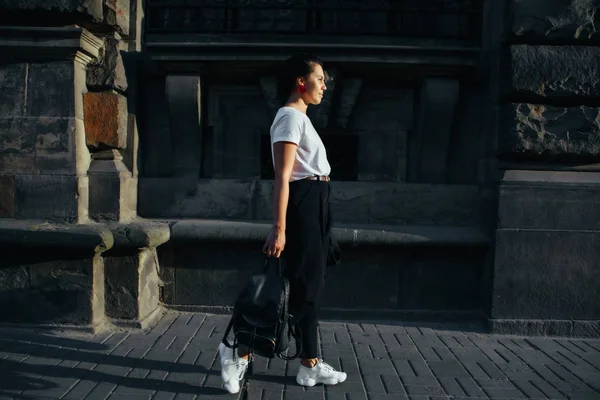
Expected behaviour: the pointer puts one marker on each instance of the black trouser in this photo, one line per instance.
(308, 225)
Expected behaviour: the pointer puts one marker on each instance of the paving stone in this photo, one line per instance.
(529, 389)
(547, 389)
(178, 359)
(425, 390)
(450, 369)
(501, 393)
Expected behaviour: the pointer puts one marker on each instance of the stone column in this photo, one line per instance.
(43, 156)
(546, 267)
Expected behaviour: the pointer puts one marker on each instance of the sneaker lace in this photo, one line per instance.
(326, 367)
(239, 370)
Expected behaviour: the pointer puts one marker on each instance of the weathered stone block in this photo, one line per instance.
(105, 116)
(17, 136)
(148, 284)
(14, 278)
(50, 90)
(109, 71)
(65, 291)
(388, 203)
(546, 275)
(550, 201)
(132, 285)
(586, 329)
(7, 196)
(111, 187)
(555, 71)
(213, 198)
(31, 145)
(555, 19)
(52, 197)
(116, 14)
(13, 84)
(121, 277)
(92, 8)
(538, 129)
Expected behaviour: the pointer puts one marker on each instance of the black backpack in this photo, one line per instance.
(261, 320)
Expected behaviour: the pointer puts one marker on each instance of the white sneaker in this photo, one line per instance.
(321, 373)
(232, 369)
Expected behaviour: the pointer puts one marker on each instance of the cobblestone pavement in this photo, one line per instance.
(177, 360)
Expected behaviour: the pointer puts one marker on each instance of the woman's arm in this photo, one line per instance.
(284, 154)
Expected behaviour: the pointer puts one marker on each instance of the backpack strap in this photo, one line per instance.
(293, 327)
(295, 332)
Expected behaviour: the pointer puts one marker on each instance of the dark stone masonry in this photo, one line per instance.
(135, 167)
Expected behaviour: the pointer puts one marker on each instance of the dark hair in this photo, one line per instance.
(295, 66)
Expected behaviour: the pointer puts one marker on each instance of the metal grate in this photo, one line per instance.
(455, 19)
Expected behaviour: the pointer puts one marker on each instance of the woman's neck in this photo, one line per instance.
(295, 101)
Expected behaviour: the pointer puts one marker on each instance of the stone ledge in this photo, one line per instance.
(534, 327)
(363, 235)
(31, 234)
(34, 44)
(139, 235)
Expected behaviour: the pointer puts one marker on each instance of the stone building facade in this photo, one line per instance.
(135, 168)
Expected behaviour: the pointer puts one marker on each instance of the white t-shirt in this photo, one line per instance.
(291, 125)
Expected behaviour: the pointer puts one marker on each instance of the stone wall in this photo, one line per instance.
(68, 167)
(546, 250)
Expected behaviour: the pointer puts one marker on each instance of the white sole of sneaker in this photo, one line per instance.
(313, 382)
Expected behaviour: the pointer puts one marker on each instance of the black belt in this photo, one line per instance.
(318, 178)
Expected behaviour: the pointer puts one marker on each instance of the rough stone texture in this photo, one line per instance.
(121, 285)
(52, 197)
(556, 71)
(149, 296)
(7, 196)
(546, 275)
(117, 14)
(105, 116)
(33, 145)
(55, 291)
(589, 329)
(92, 8)
(50, 89)
(13, 83)
(109, 71)
(112, 188)
(534, 129)
(554, 19)
(14, 278)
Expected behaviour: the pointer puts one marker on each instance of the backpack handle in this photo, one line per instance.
(268, 263)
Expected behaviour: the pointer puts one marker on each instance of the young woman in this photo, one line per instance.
(301, 222)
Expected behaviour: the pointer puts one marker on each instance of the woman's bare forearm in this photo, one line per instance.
(281, 194)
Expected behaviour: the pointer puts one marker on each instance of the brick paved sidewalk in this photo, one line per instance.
(177, 360)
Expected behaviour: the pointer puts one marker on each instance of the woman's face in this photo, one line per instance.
(315, 86)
